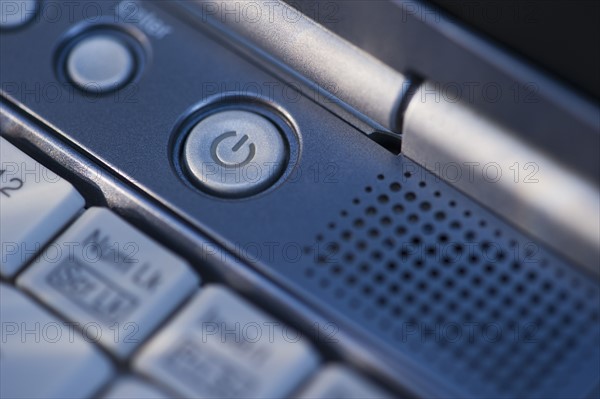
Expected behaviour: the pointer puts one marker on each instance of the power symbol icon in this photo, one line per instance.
(226, 152)
(234, 153)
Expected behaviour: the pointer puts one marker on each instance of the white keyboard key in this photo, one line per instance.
(112, 279)
(43, 357)
(221, 346)
(339, 382)
(133, 388)
(34, 205)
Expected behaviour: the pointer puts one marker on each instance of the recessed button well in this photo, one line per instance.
(100, 62)
(235, 153)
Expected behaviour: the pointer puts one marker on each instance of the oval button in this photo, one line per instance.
(14, 14)
(235, 153)
(100, 62)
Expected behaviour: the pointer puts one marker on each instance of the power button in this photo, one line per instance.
(235, 153)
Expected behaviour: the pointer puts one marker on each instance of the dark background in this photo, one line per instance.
(560, 36)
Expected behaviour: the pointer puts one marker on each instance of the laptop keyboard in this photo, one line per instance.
(35, 205)
(93, 307)
(347, 271)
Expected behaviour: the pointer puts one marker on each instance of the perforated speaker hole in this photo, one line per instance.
(449, 284)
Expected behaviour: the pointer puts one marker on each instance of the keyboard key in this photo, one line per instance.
(221, 346)
(34, 205)
(110, 278)
(43, 357)
(133, 388)
(339, 382)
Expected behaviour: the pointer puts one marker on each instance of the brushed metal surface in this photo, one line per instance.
(493, 165)
(335, 65)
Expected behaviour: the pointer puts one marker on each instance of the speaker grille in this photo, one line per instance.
(449, 284)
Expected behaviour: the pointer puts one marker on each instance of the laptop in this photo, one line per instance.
(303, 199)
